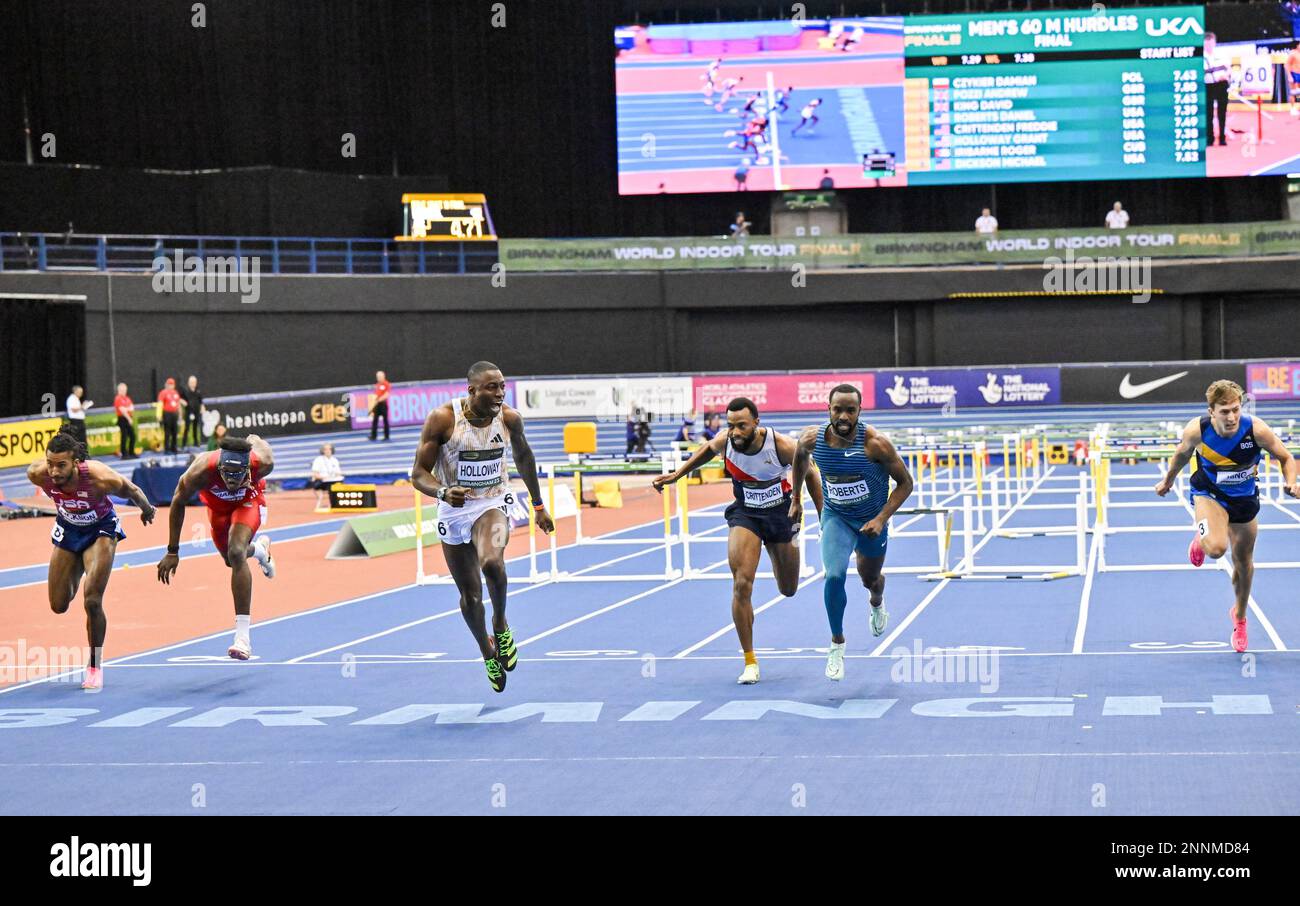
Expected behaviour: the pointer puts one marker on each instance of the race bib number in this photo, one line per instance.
(1239, 477)
(480, 468)
(762, 495)
(57, 534)
(846, 489)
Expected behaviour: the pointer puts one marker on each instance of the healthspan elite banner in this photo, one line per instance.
(900, 249)
(410, 405)
(968, 388)
(780, 392)
(1273, 381)
(279, 415)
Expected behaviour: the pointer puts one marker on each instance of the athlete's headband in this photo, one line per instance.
(233, 461)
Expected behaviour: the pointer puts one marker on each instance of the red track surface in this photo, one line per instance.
(144, 614)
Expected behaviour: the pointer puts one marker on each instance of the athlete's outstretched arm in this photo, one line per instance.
(1182, 455)
(526, 463)
(698, 458)
(189, 485)
(109, 482)
(800, 470)
(1270, 442)
(881, 450)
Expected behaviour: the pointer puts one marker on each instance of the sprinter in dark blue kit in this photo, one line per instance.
(856, 462)
(1227, 445)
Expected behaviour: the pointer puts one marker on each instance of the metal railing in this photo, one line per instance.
(72, 252)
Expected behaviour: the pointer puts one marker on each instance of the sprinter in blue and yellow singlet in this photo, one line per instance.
(856, 463)
(1227, 445)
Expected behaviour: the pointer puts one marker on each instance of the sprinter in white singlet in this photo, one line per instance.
(462, 463)
(757, 460)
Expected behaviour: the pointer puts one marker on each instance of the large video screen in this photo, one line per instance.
(1137, 93)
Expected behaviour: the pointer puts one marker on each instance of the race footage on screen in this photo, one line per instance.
(1141, 93)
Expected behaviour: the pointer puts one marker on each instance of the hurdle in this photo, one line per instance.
(968, 569)
(1180, 489)
(548, 476)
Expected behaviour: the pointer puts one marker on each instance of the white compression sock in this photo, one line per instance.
(243, 622)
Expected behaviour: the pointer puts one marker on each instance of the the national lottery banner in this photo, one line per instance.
(411, 404)
(968, 387)
(1273, 380)
(611, 398)
(780, 392)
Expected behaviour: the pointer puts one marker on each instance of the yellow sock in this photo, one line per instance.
(750, 659)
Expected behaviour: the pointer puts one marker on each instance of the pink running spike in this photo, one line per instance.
(1195, 552)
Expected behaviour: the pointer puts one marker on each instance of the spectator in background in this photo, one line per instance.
(686, 433)
(712, 425)
(217, 433)
(169, 405)
(77, 413)
(194, 410)
(1117, 217)
(827, 183)
(125, 410)
(325, 473)
(987, 223)
(379, 408)
(740, 229)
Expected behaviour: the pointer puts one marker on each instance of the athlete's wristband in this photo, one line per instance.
(539, 506)
(441, 493)
(174, 550)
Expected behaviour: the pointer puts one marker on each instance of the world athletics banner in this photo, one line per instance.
(895, 249)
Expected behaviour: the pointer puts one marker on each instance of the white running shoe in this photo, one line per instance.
(241, 650)
(750, 676)
(879, 619)
(262, 550)
(835, 662)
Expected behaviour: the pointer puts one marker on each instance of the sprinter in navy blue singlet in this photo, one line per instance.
(757, 460)
(856, 463)
(1224, 495)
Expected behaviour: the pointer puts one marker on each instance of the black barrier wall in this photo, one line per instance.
(306, 332)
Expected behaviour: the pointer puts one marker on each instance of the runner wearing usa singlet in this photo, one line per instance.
(856, 463)
(461, 461)
(1224, 495)
(230, 482)
(85, 535)
(757, 460)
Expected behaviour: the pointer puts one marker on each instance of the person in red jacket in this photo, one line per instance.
(379, 408)
(125, 410)
(170, 400)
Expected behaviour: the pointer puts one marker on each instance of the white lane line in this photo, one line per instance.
(396, 661)
(992, 533)
(757, 610)
(604, 610)
(448, 613)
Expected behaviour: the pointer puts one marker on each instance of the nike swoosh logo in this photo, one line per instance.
(854, 453)
(1132, 391)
